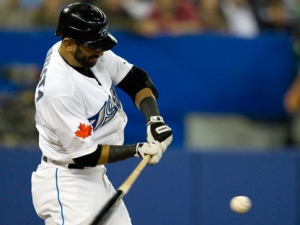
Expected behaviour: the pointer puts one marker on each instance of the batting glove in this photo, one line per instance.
(157, 130)
(154, 149)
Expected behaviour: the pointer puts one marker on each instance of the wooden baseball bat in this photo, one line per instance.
(109, 207)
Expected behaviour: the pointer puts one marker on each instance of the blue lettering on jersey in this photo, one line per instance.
(42, 80)
(107, 112)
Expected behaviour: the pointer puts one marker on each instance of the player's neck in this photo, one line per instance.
(68, 57)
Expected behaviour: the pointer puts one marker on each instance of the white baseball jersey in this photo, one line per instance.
(73, 112)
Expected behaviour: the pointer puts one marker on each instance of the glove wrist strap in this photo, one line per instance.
(137, 149)
(155, 119)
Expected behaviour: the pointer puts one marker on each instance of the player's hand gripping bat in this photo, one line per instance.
(109, 207)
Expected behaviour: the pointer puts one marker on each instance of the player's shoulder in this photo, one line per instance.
(58, 74)
(109, 59)
(109, 54)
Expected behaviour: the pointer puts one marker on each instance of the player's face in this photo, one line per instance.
(85, 56)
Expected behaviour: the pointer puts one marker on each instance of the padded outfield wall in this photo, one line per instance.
(185, 188)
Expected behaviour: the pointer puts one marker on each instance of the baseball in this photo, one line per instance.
(240, 204)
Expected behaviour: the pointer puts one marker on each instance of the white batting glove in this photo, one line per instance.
(154, 149)
(157, 130)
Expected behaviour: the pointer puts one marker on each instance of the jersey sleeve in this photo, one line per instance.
(117, 67)
(69, 126)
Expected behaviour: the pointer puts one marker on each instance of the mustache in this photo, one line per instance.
(94, 56)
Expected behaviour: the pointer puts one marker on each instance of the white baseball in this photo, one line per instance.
(240, 204)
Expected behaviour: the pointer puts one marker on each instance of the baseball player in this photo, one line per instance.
(81, 121)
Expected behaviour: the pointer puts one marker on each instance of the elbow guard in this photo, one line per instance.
(136, 80)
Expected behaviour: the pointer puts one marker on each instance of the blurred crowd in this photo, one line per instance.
(150, 18)
(154, 17)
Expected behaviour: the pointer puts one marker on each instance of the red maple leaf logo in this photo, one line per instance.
(83, 131)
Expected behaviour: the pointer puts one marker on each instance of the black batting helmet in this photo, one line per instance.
(87, 25)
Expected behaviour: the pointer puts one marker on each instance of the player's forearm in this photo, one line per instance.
(105, 154)
(142, 94)
(148, 107)
(115, 153)
(146, 102)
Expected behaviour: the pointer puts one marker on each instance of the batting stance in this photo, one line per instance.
(81, 121)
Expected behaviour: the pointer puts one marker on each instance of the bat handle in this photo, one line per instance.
(125, 187)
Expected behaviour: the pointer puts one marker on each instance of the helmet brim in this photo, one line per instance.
(104, 44)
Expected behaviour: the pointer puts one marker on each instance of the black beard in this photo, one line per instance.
(82, 60)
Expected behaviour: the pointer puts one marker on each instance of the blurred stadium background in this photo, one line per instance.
(223, 97)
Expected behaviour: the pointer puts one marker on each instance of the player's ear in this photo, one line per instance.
(68, 44)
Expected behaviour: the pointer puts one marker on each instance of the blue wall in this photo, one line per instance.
(202, 73)
(185, 188)
(270, 180)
